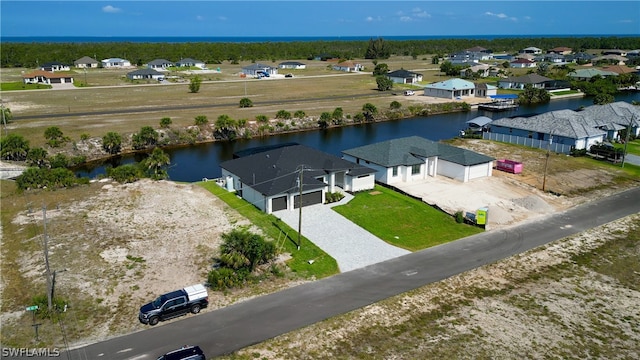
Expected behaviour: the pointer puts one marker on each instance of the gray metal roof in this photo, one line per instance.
(412, 151)
(145, 72)
(565, 123)
(275, 171)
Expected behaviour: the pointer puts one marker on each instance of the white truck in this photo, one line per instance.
(190, 299)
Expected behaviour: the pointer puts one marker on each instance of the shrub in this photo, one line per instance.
(14, 147)
(127, 173)
(299, 114)
(283, 114)
(459, 215)
(262, 119)
(84, 136)
(246, 102)
(201, 120)
(165, 122)
(37, 178)
(395, 105)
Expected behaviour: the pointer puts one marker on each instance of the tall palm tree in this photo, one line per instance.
(155, 164)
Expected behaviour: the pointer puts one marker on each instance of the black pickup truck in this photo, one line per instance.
(176, 303)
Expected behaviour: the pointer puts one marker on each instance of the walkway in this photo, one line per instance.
(351, 246)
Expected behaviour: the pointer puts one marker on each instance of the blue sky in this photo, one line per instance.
(318, 18)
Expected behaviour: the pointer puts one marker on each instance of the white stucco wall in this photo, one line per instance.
(451, 170)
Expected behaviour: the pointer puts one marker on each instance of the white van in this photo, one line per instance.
(409, 93)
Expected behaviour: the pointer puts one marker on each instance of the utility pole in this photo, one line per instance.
(46, 259)
(4, 120)
(626, 140)
(300, 205)
(546, 163)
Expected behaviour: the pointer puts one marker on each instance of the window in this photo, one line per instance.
(395, 170)
(415, 169)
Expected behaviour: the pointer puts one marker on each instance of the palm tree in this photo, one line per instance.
(155, 164)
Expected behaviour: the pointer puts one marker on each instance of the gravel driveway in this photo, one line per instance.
(351, 246)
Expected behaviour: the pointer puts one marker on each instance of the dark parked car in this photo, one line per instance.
(186, 352)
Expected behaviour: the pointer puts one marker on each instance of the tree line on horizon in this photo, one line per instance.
(32, 55)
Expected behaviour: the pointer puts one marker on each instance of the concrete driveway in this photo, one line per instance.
(351, 246)
(632, 159)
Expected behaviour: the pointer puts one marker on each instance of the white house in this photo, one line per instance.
(270, 178)
(348, 66)
(451, 89)
(55, 66)
(160, 64)
(415, 158)
(522, 63)
(86, 62)
(292, 65)
(188, 62)
(46, 77)
(114, 63)
(519, 82)
(531, 50)
(258, 69)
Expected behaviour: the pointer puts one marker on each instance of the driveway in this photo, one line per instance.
(351, 246)
(632, 159)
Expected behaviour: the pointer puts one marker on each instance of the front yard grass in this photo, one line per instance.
(403, 221)
(323, 264)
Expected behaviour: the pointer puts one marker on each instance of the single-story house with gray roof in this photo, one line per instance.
(160, 64)
(188, 62)
(255, 69)
(404, 76)
(270, 179)
(86, 62)
(292, 65)
(415, 158)
(451, 89)
(519, 82)
(142, 74)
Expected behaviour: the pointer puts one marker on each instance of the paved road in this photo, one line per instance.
(234, 327)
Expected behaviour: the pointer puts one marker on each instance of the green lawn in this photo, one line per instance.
(403, 221)
(8, 86)
(323, 265)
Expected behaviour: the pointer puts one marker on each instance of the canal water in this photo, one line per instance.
(194, 163)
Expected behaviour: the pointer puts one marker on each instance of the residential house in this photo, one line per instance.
(148, 74)
(610, 59)
(564, 127)
(551, 58)
(479, 49)
(160, 64)
(404, 77)
(469, 57)
(115, 63)
(480, 70)
(576, 129)
(258, 69)
(620, 70)
(580, 58)
(348, 66)
(272, 179)
(415, 158)
(486, 90)
(620, 113)
(188, 62)
(451, 89)
(86, 62)
(519, 82)
(46, 77)
(522, 63)
(531, 50)
(617, 52)
(633, 54)
(560, 50)
(292, 65)
(587, 74)
(54, 66)
(525, 56)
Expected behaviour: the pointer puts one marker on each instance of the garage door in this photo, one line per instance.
(308, 199)
(279, 203)
(478, 171)
(56, 81)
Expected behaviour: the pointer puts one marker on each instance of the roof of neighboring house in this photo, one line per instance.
(561, 49)
(145, 72)
(565, 123)
(296, 63)
(619, 69)
(47, 74)
(480, 121)
(412, 150)
(589, 73)
(522, 61)
(159, 62)
(114, 60)
(53, 63)
(532, 48)
(610, 57)
(257, 66)
(618, 112)
(485, 86)
(86, 60)
(402, 73)
(452, 84)
(527, 79)
(275, 171)
(347, 64)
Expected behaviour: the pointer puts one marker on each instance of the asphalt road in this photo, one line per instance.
(235, 327)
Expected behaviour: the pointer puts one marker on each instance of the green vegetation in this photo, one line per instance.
(43, 178)
(10, 86)
(194, 85)
(285, 237)
(403, 221)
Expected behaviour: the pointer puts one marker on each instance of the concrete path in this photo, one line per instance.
(633, 159)
(351, 246)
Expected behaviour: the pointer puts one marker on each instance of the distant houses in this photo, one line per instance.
(188, 62)
(292, 65)
(86, 62)
(145, 74)
(115, 63)
(404, 77)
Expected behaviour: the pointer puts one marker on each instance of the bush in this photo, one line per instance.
(165, 122)
(222, 279)
(37, 178)
(283, 114)
(127, 173)
(246, 103)
(201, 120)
(333, 197)
(459, 215)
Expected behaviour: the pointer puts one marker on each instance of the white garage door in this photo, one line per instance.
(478, 171)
